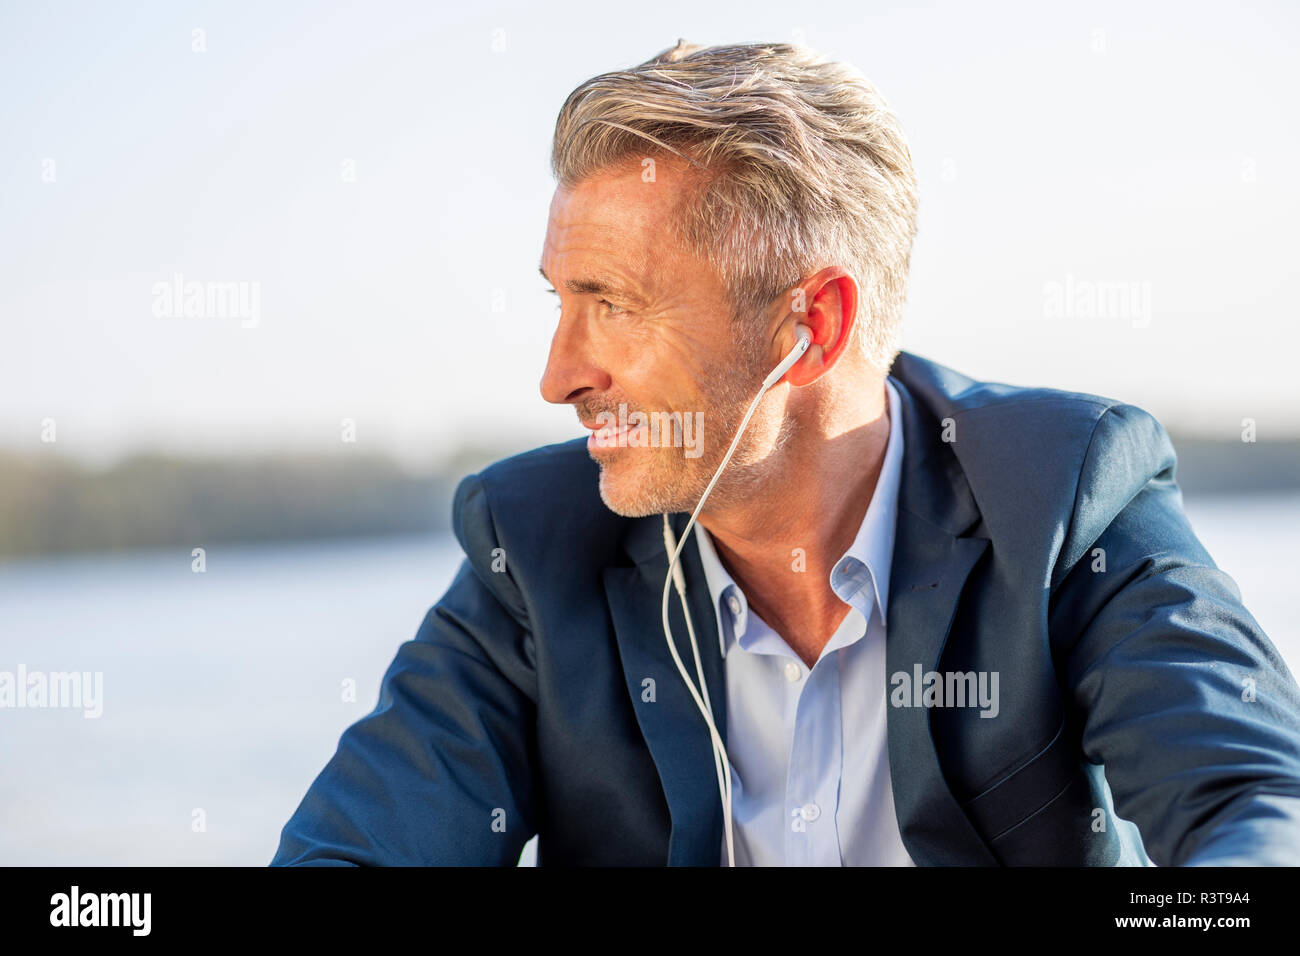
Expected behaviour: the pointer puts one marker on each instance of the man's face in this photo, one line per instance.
(645, 325)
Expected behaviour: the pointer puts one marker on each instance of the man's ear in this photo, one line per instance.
(827, 303)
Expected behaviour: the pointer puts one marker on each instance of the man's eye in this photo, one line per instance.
(614, 309)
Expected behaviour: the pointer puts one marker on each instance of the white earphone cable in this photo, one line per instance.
(721, 763)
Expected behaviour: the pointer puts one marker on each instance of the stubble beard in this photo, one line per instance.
(637, 482)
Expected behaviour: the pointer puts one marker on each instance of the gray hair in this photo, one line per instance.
(801, 165)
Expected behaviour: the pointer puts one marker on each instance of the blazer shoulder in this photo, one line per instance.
(1014, 425)
(953, 394)
(538, 504)
(1035, 455)
(561, 475)
(1003, 418)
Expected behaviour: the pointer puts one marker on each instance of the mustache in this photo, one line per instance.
(590, 411)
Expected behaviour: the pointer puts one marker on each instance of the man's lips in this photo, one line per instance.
(612, 435)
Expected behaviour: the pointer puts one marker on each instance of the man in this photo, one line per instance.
(939, 621)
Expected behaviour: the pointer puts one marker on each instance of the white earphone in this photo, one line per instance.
(721, 765)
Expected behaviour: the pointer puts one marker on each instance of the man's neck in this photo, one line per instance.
(781, 542)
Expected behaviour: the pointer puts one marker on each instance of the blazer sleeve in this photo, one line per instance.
(441, 772)
(1183, 698)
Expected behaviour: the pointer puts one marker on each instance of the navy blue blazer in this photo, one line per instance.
(1040, 535)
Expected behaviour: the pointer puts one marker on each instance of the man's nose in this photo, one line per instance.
(571, 371)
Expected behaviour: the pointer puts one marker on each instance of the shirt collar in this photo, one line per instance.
(723, 590)
(874, 544)
(868, 558)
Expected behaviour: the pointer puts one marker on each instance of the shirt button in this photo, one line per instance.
(734, 604)
(792, 672)
(811, 811)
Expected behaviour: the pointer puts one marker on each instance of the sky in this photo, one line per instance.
(374, 178)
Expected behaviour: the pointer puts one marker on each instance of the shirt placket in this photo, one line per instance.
(812, 780)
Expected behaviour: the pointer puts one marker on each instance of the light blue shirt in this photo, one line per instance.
(808, 751)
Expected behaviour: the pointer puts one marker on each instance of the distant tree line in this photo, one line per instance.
(51, 504)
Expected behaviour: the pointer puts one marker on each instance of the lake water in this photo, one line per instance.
(222, 691)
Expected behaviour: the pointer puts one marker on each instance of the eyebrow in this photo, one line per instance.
(598, 285)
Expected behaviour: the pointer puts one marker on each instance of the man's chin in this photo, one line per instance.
(623, 501)
(631, 493)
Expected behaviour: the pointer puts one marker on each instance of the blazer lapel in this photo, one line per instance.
(931, 562)
(673, 727)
